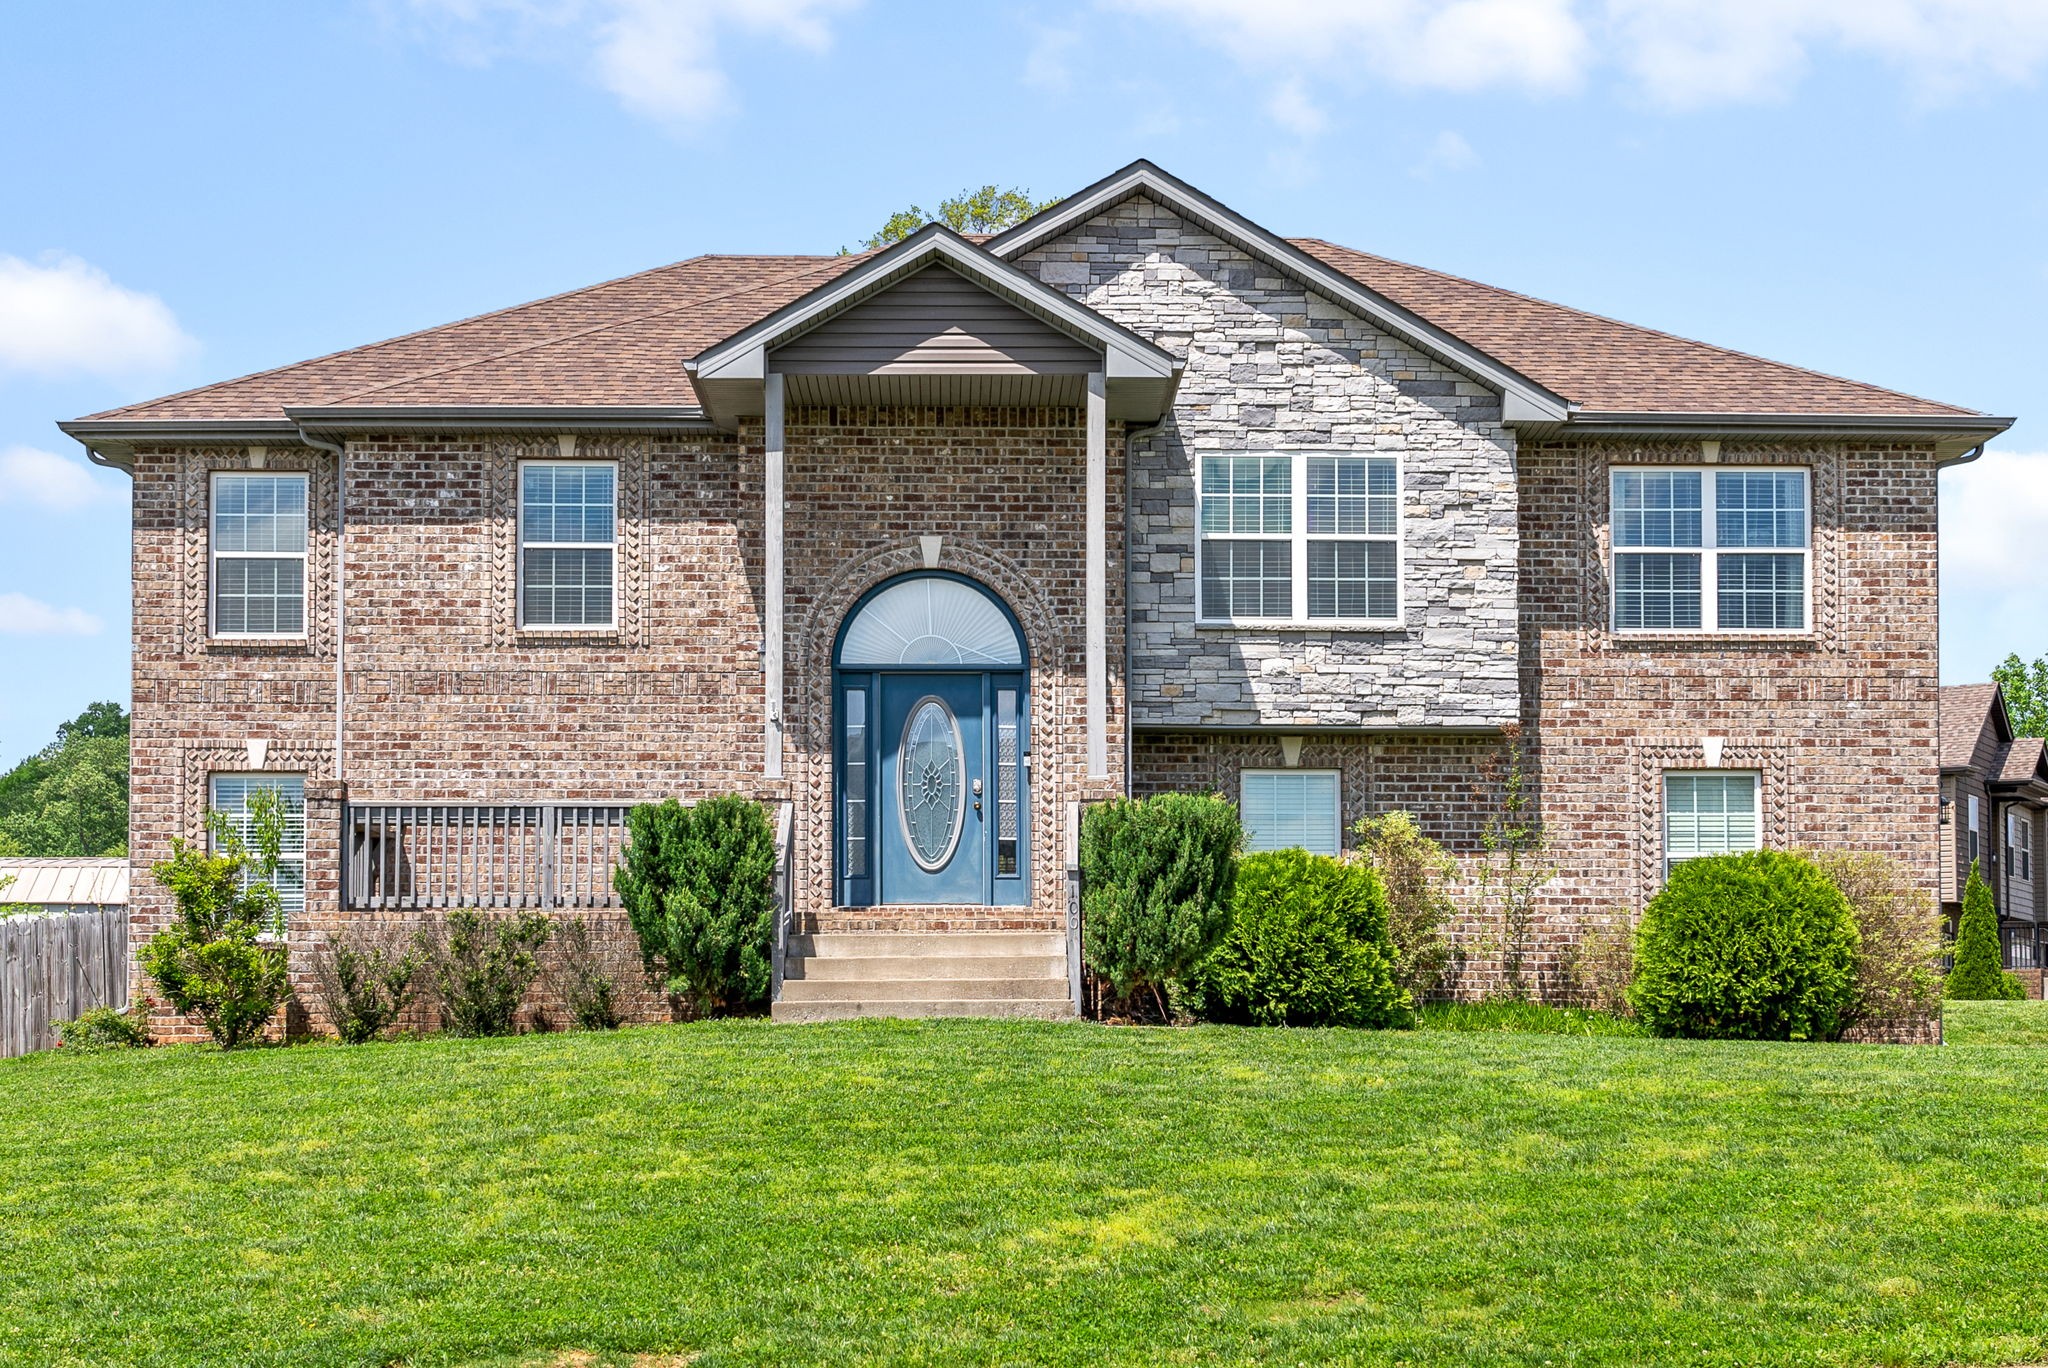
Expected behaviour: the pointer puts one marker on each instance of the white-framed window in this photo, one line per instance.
(1711, 549)
(257, 543)
(2019, 839)
(1301, 538)
(1710, 812)
(1974, 828)
(228, 794)
(568, 543)
(1292, 809)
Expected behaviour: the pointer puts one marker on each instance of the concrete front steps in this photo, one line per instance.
(834, 976)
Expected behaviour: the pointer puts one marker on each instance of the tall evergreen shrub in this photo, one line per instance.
(1979, 972)
(1156, 878)
(698, 883)
(1759, 946)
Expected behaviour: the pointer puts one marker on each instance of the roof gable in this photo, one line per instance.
(1974, 726)
(935, 319)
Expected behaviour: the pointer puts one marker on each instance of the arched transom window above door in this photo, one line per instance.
(931, 620)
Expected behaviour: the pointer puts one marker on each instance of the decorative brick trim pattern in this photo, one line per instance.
(1654, 755)
(315, 762)
(194, 478)
(502, 457)
(1592, 532)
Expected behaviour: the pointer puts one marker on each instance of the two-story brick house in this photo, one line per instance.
(932, 545)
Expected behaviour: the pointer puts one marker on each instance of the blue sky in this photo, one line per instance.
(214, 188)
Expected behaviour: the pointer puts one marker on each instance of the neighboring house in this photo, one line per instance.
(62, 885)
(1994, 810)
(933, 545)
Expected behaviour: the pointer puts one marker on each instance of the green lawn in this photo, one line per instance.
(974, 1192)
(1995, 1023)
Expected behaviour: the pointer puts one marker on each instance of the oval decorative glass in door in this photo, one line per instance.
(933, 787)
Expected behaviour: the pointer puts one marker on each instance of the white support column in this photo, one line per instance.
(1096, 575)
(771, 579)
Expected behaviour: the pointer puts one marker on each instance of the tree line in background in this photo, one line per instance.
(71, 797)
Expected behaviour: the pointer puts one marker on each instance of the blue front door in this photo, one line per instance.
(933, 737)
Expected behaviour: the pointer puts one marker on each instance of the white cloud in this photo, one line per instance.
(1447, 153)
(43, 479)
(1422, 44)
(1993, 511)
(660, 58)
(1678, 53)
(1049, 65)
(1291, 108)
(62, 316)
(24, 616)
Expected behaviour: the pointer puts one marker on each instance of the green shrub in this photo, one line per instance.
(213, 961)
(698, 883)
(1156, 876)
(1415, 872)
(483, 966)
(1759, 946)
(367, 975)
(588, 975)
(1600, 963)
(1307, 947)
(105, 1028)
(1898, 935)
(1978, 974)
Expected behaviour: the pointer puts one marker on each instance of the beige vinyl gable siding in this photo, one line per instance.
(935, 321)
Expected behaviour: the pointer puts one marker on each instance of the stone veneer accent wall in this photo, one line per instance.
(1270, 367)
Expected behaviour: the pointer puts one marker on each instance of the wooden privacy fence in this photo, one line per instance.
(52, 968)
(454, 855)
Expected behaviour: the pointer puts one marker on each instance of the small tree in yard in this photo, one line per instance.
(1514, 871)
(1898, 975)
(483, 967)
(1414, 871)
(698, 883)
(1156, 879)
(212, 962)
(367, 975)
(1979, 971)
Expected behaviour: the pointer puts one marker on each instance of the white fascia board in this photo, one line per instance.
(1142, 177)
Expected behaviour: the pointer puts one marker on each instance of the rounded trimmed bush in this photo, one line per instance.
(1760, 946)
(1308, 946)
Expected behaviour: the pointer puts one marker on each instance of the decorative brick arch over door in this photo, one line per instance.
(1055, 699)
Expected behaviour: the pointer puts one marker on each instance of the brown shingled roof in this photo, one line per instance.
(1963, 710)
(2022, 759)
(623, 342)
(1603, 364)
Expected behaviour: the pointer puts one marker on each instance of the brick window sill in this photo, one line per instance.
(1798, 641)
(258, 643)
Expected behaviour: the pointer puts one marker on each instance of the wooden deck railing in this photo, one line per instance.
(459, 855)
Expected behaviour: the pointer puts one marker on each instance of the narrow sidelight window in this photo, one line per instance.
(229, 795)
(1710, 550)
(567, 541)
(1709, 812)
(854, 804)
(258, 547)
(1292, 809)
(1008, 764)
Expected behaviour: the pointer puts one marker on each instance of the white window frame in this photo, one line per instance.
(523, 546)
(285, 856)
(2019, 840)
(214, 556)
(1299, 537)
(1336, 778)
(1709, 552)
(1756, 790)
(1973, 828)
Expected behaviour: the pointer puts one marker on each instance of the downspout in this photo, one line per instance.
(340, 450)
